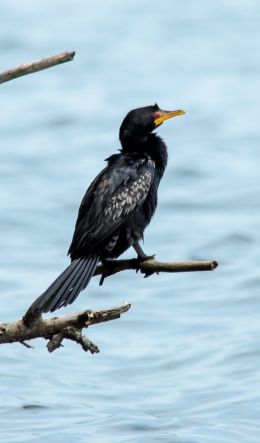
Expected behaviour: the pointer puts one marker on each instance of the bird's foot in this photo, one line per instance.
(148, 274)
(141, 255)
(142, 258)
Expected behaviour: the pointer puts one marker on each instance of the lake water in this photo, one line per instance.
(183, 365)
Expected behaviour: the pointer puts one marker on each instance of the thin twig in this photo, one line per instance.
(26, 345)
(35, 66)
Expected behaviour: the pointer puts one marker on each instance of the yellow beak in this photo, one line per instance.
(161, 116)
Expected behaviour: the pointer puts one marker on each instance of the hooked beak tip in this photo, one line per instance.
(161, 116)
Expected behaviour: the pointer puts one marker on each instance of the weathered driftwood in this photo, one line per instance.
(38, 65)
(56, 329)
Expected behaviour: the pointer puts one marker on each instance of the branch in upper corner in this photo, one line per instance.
(56, 329)
(151, 266)
(38, 65)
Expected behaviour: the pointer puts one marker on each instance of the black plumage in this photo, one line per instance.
(117, 206)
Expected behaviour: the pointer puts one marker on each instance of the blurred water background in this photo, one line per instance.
(183, 365)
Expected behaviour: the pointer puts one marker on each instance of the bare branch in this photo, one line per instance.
(56, 329)
(38, 65)
(151, 266)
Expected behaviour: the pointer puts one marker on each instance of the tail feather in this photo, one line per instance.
(67, 286)
(62, 277)
(81, 283)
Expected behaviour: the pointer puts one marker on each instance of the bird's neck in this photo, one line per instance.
(151, 145)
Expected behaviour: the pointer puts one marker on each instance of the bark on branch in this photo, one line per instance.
(151, 266)
(38, 65)
(56, 329)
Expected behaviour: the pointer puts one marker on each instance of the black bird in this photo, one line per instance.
(117, 206)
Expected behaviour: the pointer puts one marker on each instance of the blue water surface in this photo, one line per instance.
(183, 365)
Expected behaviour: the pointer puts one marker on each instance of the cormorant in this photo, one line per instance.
(117, 206)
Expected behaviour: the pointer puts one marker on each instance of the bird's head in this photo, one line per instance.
(141, 122)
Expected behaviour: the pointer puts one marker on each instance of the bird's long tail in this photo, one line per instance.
(66, 288)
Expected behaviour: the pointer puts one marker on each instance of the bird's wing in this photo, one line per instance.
(115, 193)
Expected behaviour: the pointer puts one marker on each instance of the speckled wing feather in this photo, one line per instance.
(116, 192)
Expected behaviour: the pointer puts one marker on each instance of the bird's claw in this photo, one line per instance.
(142, 258)
(148, 274)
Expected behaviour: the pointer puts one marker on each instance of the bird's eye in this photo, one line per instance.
(156, 115)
